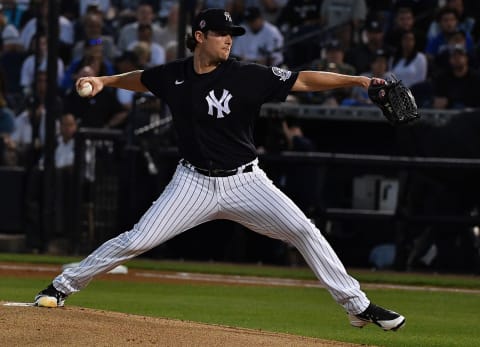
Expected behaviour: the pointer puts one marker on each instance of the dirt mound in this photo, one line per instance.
(74, 326)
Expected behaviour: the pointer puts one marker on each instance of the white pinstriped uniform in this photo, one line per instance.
(250, 199)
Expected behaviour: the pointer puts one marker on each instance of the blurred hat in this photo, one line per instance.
(374, 25)
(252, 13)
(10, 35)
(457, 48)
(216, 19)
(334, 45)
(381, 53)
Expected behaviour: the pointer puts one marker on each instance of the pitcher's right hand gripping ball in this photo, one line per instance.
(395, 100)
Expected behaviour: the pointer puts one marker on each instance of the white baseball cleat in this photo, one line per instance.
(385, 319)
(50, 297)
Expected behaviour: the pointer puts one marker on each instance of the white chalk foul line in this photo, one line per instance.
(281, 282)
(19, 304)
(231, 279)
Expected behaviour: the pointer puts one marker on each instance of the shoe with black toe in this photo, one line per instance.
(385, 319)
(50, 297)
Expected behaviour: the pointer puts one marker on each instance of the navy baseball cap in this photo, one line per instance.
(216, 19)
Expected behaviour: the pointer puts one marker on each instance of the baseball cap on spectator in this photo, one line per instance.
(381, 53)
(374, 25)
(457, 48)
(334, 45)
(252, 13)
(216, 19)
(10, 35)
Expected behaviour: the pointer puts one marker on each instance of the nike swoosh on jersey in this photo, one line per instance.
(177, 82)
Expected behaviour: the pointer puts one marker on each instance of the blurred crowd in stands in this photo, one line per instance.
(431, 45)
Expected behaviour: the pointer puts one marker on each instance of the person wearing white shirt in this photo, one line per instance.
(64, 152)
(409, 65)
(157, 52)
(29, 30)
(129, 32)
(27, 72)
(23, 133)
(262, 42)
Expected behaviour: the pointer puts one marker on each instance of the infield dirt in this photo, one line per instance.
(75, 326)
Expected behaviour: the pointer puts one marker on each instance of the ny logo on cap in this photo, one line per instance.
(228, 18)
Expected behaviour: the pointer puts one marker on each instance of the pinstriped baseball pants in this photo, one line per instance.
(250, 199)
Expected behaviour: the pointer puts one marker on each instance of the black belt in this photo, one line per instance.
(217, 172)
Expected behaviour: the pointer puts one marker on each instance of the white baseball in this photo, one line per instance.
(85, 90)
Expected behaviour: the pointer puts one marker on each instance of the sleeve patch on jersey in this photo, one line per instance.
(283, 74)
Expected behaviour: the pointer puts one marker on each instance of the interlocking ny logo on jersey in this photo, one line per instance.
(221, 105)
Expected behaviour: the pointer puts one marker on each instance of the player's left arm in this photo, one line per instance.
(315, 81)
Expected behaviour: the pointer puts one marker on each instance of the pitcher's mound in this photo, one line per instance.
(74, 326)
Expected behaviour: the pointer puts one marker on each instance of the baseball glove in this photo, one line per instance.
(395, 100)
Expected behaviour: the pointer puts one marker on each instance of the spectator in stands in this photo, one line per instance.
(169, 31)
(29, 134)
(408, 64)
(127, 62)
(11, 56)
(64, 182)
(93, 56)
(171, 51)
(7, 117)
(64, 152)
(345, 18)
(424, 11)
(101, 111)
(65, 29)
(442, 60)
(404, 20)
(143, 52)
(466, 23)
(156, 53)
(332, 62)
(361, 56)
(27, 73)
(93, 28)
(296, 20)
(455, 88)
(204, 4)
(129, 32)
(447, 19)
(262, 42)
(164, 10)
(270, 8)
(102, 5)
(6, 29)
(13, 11)
(379, 69)
(7, 126)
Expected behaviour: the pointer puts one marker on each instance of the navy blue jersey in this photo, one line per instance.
(214, 113)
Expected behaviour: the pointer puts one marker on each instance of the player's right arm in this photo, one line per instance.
(129, 80)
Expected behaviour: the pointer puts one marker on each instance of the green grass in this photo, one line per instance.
(433, 318)
(364, 276)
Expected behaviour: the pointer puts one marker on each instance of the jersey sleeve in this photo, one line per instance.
(272, 84)
(152, 79)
